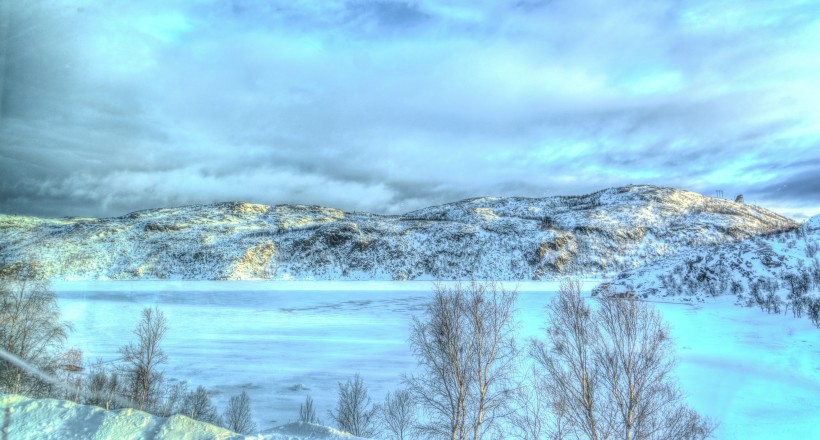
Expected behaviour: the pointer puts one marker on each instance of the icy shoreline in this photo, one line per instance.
(246, 286)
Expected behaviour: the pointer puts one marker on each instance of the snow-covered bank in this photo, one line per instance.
(50, 419)
(45, 419)
(287, 286)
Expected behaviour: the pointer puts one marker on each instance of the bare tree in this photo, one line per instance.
(441, 346)
(174, 398)
(198, 406)
(533, 403)
(355, 412)
(813, 309)
(142, 359)
(613, 370)
(69, 373)
(466, 354)
(398, 414)
(237, 415)
(492, 323)
(635, 356)
(307, 413)
(30, 329)
(568, 360)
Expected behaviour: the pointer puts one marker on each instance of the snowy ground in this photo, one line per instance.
(49, 419)
(757, 374)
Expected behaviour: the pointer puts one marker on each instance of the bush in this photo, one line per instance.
(355, 412)
(198, 406)
(307, 413)
(237, 415)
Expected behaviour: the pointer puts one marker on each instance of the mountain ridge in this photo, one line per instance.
(511, 238)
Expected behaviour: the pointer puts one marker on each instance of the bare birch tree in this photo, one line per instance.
(613, 371)
(532, 403)
(142, 359)
(30, 329)
(636, 355)
(466, 354)
(398, 415)
(355, 412)
(567, 358)
(198, 406)
(237, 416)
(174, 398)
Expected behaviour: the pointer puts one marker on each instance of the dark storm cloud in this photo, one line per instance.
(389, 106)
(803, 188)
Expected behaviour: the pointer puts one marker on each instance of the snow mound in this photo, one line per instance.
(813, 224)
(304, 430)
(46, 419)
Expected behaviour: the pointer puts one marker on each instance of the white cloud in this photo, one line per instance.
(390, 105)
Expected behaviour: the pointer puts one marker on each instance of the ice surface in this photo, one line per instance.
(757, 374)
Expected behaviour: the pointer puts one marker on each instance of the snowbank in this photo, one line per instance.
(45, 419)
(812, 224)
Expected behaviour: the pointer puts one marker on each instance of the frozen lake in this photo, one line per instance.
(758, 374)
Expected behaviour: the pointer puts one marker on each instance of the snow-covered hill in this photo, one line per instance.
(787, 264)
(486, 238)
(47, 419)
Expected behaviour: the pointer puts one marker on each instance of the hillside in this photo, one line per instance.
(486, 238)
(46, 419)
(772, 271)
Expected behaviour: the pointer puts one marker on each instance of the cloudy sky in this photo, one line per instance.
(387, 106)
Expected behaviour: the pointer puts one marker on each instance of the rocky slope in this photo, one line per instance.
(486, 238)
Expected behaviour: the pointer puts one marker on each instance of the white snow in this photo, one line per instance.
(46, 419)
(812, 224)
(756, 374)
(283, 286)
(50, 419)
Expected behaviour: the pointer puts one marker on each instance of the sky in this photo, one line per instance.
(108, 107)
